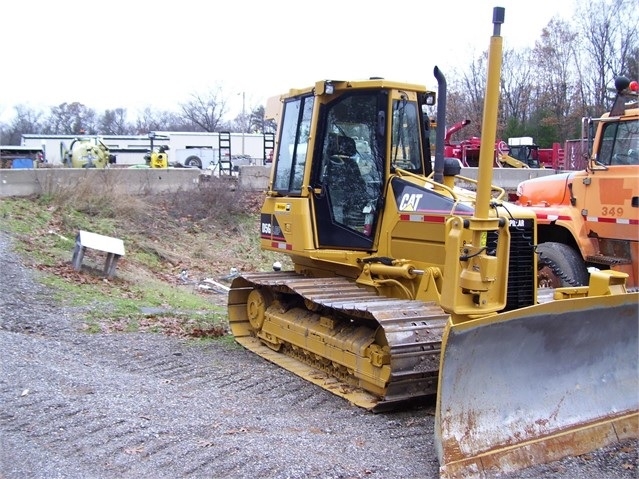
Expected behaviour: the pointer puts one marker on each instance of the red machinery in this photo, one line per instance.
(515, 154)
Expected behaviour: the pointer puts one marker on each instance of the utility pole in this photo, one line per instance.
(244, 109)
(244, 128)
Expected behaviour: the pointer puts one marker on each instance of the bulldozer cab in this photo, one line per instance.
(344, 165)
(527, 154)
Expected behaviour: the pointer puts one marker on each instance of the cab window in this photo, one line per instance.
(405, 141)
(352, 164)
(620, 143)
(293, 141)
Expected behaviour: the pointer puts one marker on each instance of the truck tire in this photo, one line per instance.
(193, 161)
(559, 265)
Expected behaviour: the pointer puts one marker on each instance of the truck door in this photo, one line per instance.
(611, 195)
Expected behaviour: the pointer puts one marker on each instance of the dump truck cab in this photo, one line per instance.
(590, 218)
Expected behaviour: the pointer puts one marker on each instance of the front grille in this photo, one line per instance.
(521, 271)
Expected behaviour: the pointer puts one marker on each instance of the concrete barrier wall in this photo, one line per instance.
(144, 181)
(506, 178)
(127, 181)
(254, 178)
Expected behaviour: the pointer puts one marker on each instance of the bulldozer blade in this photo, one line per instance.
(538, 384)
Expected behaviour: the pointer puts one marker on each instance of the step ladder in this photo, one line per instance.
(224, 162)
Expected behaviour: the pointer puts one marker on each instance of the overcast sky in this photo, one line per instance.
(137, 53)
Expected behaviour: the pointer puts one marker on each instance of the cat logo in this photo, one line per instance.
(410, 202)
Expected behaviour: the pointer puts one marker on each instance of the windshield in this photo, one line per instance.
(352, 166)
(620, 143)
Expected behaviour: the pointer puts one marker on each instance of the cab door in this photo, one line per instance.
(611, 208)
(348, 176)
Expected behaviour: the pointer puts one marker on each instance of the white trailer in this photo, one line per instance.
(203, 149)
(128, 149)
(198, 157)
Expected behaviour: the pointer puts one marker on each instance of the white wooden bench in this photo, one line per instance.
(114, 247)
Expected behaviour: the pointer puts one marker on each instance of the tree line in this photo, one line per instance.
(203, 112)
(567, 75)
(545, 90)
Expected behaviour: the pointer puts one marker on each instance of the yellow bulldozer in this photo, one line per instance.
(406, 287)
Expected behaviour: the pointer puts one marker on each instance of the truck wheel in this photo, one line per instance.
(193, 161)
(559, 265)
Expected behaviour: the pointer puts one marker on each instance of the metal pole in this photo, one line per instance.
(243, 118)
(489, 123)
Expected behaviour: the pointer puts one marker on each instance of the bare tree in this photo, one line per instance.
(517, 85)
(610, 30)
(554, 57)
(633, 64)
(568, 75)
(151, 120)
(114, 122)
(71, 119)
(466, 96)
(457, 110)
(205, 111)
(26, 121)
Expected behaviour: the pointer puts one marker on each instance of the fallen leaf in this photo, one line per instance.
(134, 450)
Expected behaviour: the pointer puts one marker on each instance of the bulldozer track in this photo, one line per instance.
(412, 333)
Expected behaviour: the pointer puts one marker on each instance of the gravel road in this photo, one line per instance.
(143, 405)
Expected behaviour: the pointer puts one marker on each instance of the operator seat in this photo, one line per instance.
(346, 186)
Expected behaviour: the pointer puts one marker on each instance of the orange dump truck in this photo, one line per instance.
(590, 218)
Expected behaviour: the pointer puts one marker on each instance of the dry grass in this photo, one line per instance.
(173, 241)
(205, 231)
